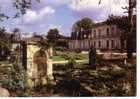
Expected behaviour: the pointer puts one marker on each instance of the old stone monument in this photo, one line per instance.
(36, 60)
(39, 65)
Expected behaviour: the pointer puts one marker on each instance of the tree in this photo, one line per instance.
(5, 43)
(86, 23)
(53, 36)
(122, 23)
(132, 5)
(21, 5)
(16, 36)
(81, 27)
(4, 38)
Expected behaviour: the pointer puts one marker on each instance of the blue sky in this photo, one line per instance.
(61, 14)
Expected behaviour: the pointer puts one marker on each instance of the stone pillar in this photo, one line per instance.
(31, 67)
(49, 64)
(51, 51)
(50, 69)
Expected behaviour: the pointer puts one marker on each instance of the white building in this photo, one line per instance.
(102, 36)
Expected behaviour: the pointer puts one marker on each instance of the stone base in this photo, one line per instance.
(30, 83)
(37, 81)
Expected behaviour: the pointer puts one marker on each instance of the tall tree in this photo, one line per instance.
(81, 27)
(4, 38)
(5, 43)
(16, 36)
(123, 24)
(53, 36)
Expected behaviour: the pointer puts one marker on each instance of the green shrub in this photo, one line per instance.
(79, 57)
(119, 73)
(75, 56)
(18, 79)
(71, 63)
(66, 56)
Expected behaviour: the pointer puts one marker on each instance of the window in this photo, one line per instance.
(95, 33)
(107, 31)
(112, 43)
(89, 43)
(107, 43)
(112, 29)
(94, 44)
(99, 44)
(86, 35)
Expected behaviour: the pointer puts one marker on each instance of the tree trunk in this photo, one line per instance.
(129, 38)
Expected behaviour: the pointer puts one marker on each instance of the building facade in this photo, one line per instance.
(102, 37)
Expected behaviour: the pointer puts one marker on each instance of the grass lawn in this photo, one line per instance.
(4, 62)
(78, 57)
(84, 56)
(58, 58)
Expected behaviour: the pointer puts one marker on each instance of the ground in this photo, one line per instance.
(110, 78)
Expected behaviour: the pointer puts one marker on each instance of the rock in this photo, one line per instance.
(127, 87)
(4, 92)
(105, 68)
(116, 68)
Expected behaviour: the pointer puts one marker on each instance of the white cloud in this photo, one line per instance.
(80, 5)
(46, 10)
(32, 16)
(115, 6)
(52, 26)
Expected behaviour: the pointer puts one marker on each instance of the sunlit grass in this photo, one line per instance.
(77, 57)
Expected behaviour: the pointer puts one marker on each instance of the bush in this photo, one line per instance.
(119, 73)
(78, 51)
(18, 79)
(74, 56)
(66, 56)
(71, 63)
(79, 57)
